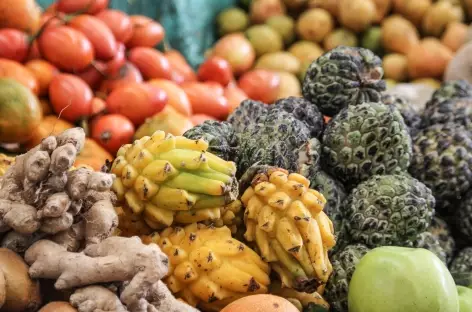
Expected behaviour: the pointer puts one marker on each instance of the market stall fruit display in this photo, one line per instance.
(236, 185)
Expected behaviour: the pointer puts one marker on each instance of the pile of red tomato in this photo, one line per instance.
(98, 66)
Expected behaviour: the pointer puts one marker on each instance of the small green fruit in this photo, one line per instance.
(465, 299)
(339, 37)
(399, 279)
(372, 40)
(264, 39)
(232, 20)
(284, 25)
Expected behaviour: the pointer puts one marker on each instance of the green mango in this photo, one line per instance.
(465, 298)
(399, 279)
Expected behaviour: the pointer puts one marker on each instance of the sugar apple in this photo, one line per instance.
(343, 76)
(409, 113)
(208, 268)
(304, 111)
(285, 220)
(463, 218)
(388, 210)
(344, 264)
(167, 179)
(334, 193)
(442, 159)
(462, 263)
(452, 89)
(220, 136)
(441, 231)
(277, 139)
(428, 241)
(455, 110)
(246, 114)
(365, 140)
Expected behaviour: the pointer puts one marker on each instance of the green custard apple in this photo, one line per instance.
(400, 279)
(465, 299)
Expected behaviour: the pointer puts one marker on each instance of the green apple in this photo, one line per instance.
(465, 298)
(399, 279)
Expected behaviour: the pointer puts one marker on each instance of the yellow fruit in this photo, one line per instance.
(395, 67)
(285, 219)
(264, 39)
(168, 179)
(306, 51)
(332, 6)
(210, 269)
(357, 15)
(412, 10)
(261, 10)
(398, 34)
(289, 86)
(279, 61)
(382, 7)
(314, 25)
(439, 15)
(340, 36)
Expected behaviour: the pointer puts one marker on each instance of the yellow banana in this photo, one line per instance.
(232, 278)
(173, 199)
(160, 216)
(199, 215)
(196, 184)
(145, 188)
(159, 171)
(328, 237)
(288, 236)
(182, 142)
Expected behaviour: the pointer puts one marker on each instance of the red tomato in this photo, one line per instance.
(235, 96)
(205, 100)
(177, 97)
(81, 6)
(216, 69)
(44, 73)
(18, 72)
(181, 70)
(200, 118)
(72, 96)
(66, 48)
(128, 73)
(94, 74)
(146, 32)
(215, 86)
(112, 131)
(150, 62)
(14, 44)
(99, 35)
(98, 105)
(260, 85)
(118, 22)
(33, 53)
(51, 20)
(137, 101)
(118, 61)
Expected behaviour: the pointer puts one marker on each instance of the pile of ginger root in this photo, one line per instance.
(58, 222)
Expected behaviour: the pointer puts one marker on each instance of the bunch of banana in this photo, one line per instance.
(169, 179)
(285, 219)
(210, 269)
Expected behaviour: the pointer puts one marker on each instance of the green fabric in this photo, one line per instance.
(189, 24)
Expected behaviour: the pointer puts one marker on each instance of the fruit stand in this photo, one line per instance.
(233, 156)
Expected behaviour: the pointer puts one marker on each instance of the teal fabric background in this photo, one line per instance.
(189, 24)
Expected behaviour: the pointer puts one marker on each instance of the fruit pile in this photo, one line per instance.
(97, 68)
(417, 39)
(340, 197)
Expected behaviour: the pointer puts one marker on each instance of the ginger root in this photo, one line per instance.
(96, 298)
(40, 193)
(115, 259)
